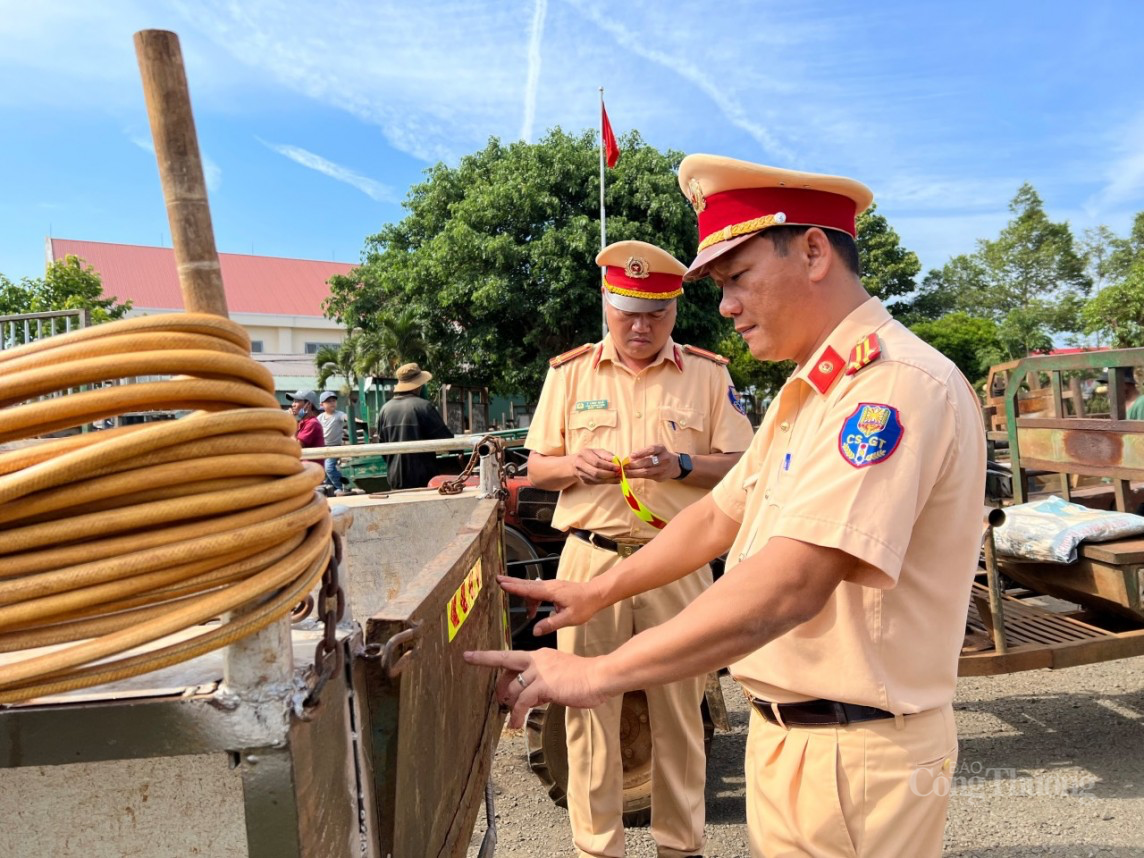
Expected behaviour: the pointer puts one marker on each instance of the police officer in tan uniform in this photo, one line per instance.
(853, 524)
(671, 413)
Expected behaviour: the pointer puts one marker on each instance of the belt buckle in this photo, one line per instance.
(627, 550)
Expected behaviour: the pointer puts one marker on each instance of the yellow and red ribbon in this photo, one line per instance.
(637, 506)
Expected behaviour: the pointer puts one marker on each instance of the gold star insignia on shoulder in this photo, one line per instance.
(863, 354)
(703, 353)
(571, 354)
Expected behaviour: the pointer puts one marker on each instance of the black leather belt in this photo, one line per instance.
(624, 549)
(818, 713)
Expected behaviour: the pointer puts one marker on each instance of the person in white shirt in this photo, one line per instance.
(334, 427)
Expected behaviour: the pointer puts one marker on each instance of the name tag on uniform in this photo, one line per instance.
(591, 404)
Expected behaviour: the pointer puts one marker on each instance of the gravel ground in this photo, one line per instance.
(1052, 763)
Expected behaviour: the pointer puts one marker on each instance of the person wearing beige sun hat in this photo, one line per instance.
(408, 417)
(852, 527)
(671, 412)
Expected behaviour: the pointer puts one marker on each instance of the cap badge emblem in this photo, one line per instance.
(780, 217)
(698, 201)
(637, 268)
(826, 367)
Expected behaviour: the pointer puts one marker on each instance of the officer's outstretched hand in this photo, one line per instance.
(531, 678)
(573, 604)
(653, 463)
(593, 467)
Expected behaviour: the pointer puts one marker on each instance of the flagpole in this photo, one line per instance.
(603, 227)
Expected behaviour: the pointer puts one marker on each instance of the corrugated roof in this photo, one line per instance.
(254, 284)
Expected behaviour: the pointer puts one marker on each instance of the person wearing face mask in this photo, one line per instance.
(671, 415)
(304, 407)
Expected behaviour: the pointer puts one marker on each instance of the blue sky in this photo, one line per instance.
(314, 118)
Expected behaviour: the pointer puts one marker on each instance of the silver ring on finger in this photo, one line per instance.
(520, 679)
(655, 460)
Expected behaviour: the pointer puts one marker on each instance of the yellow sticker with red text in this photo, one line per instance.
(461, 605)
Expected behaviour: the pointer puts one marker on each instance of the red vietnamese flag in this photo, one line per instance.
(611, 148)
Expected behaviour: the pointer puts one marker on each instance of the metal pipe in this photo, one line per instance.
(993, 519)
(440, 445)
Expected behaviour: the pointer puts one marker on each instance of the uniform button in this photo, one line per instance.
(767, 494)
(591, 424)
(639, 414)
(682, 422)
(784, 426)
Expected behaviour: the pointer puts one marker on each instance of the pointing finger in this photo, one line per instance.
(508, 660)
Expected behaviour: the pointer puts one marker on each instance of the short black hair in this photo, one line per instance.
(842, 242)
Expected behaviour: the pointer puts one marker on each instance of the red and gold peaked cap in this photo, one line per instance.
(640, 277)
(735, 200)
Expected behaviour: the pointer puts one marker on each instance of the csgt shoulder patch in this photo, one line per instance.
(871, 434)
(735, 400)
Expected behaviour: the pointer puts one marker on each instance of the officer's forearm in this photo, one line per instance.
(554, 473)
(771, 593)
(707, 470)
(694, 537)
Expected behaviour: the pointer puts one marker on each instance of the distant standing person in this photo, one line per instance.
(305, 410)
(408, 417)
(333, 428)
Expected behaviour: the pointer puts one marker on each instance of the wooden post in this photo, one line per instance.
(266, 656)
(180, 170)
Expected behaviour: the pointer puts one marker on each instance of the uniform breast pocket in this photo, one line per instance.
(594, 428)
(685, 428)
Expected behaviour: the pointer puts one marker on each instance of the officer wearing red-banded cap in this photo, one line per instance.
(852, 526)
(672, 412)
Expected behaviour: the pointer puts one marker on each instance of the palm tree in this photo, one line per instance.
(398, 338)
(342, 360)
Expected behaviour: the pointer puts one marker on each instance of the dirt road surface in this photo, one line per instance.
(1052, 763)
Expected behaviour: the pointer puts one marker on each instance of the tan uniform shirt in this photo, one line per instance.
(888, 465)
(682, 401)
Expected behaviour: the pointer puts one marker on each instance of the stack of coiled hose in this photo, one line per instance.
(113, 540)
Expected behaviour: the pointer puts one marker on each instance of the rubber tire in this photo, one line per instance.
(548, 753)
(518, 547)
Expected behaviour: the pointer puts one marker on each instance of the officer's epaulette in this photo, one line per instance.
(865, 353)
(571, 354)
(703, 353)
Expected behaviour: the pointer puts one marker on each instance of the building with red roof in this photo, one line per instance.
(278, 301)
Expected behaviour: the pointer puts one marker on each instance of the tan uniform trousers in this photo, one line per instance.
(876, 789)
(595, 769)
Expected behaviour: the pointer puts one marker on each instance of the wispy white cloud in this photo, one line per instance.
(212, 172)
(1123, 173)
(678, 63)
(533, 78)
(371, 188)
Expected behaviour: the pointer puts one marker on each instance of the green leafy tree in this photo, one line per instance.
(67, 284)
(1099, 248)
(1116, 313)
(496, 256)
(1031, 280)
(1127, 253)
(972, 343)
(888, 269)
(1035, 279)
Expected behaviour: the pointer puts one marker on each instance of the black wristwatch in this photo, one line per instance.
(684, 466)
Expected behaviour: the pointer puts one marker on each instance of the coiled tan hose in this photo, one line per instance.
(112, 540)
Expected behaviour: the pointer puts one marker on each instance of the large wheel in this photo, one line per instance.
(548, 753)
(518, 548)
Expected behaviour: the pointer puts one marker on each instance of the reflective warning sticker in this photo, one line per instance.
(461, 605)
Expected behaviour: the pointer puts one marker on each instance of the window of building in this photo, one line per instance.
(312, 348)
(255, 346)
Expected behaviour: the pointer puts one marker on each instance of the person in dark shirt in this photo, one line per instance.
(408, 417)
